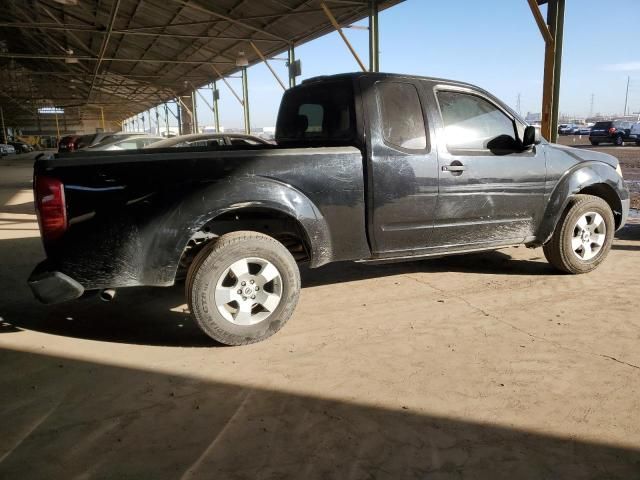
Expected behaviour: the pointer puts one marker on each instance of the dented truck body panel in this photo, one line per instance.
(571, 171)
(131, 214)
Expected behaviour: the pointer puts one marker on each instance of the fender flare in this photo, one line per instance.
(168, 237)
(575, 180)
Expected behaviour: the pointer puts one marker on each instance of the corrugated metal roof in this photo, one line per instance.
(133, 54)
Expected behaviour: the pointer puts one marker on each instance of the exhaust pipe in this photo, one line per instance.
(107, 294)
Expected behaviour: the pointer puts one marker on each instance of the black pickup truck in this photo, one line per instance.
(367, 167)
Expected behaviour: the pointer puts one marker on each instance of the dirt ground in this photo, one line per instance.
(485, 366)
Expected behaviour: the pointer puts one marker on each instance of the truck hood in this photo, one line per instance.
(584, 155)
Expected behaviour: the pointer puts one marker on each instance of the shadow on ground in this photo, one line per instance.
(141, 424)
(158, 316)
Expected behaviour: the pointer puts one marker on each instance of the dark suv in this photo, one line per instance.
(611, 131)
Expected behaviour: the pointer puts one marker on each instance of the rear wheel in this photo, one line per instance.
(243, 288)
(618, 141)
(582, 239)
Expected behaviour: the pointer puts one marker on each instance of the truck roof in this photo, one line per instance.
(383, 75)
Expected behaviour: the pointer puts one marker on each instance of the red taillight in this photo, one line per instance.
(50, 207)
(612, 130)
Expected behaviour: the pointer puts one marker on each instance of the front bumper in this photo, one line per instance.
(625, 212)
(53, 286)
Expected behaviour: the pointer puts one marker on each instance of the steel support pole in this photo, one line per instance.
(266, 62)
(292, 59)
(245, 101)
(4, 128)
(337, 27)
(549, 61)
(157, 121)
(227, 83)
(166, 119)
(179, 117)
(374, 44)
(556, 27)
(104, 129)
(194, 120)
(216, 115)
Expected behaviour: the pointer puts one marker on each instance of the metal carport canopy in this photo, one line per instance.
(128, 55)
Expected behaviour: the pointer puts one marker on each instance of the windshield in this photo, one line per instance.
(319, 114)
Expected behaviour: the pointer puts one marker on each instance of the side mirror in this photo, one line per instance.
(531, 136)
(504, 145)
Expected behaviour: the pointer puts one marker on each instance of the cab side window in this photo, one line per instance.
(471, 122)
(401, 115)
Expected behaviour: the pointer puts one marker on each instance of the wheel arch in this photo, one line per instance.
(590, 178)
(249, 198)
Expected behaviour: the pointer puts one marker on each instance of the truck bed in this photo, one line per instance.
(131, 214)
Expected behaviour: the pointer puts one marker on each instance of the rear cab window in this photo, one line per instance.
(320, 114)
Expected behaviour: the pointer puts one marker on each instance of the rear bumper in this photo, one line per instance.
(53, 286)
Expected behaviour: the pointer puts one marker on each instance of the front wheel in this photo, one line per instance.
(594, 142)
(243, 288)
(582, 239)
(618, 141)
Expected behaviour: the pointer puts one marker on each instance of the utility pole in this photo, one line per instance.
(626, 96)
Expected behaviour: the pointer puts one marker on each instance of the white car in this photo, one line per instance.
(7, 149)
(134, 142)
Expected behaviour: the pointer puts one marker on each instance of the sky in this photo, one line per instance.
(494, 44)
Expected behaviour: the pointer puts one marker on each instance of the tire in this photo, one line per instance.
(618, 141)
(560, 251)
(594, 142)
(266, 272)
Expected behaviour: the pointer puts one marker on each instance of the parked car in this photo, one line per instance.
(68, 143)
(584, 130)
(358, 174)
(20, 146)
(209, 140)
(634, 133)
(128, 143)
(103, 139)
(610, 131)
(568, 129)
(6, 149)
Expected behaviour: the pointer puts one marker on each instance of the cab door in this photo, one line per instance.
(402, 166)
(490, 191)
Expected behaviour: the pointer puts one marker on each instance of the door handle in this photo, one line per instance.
(453, 168)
